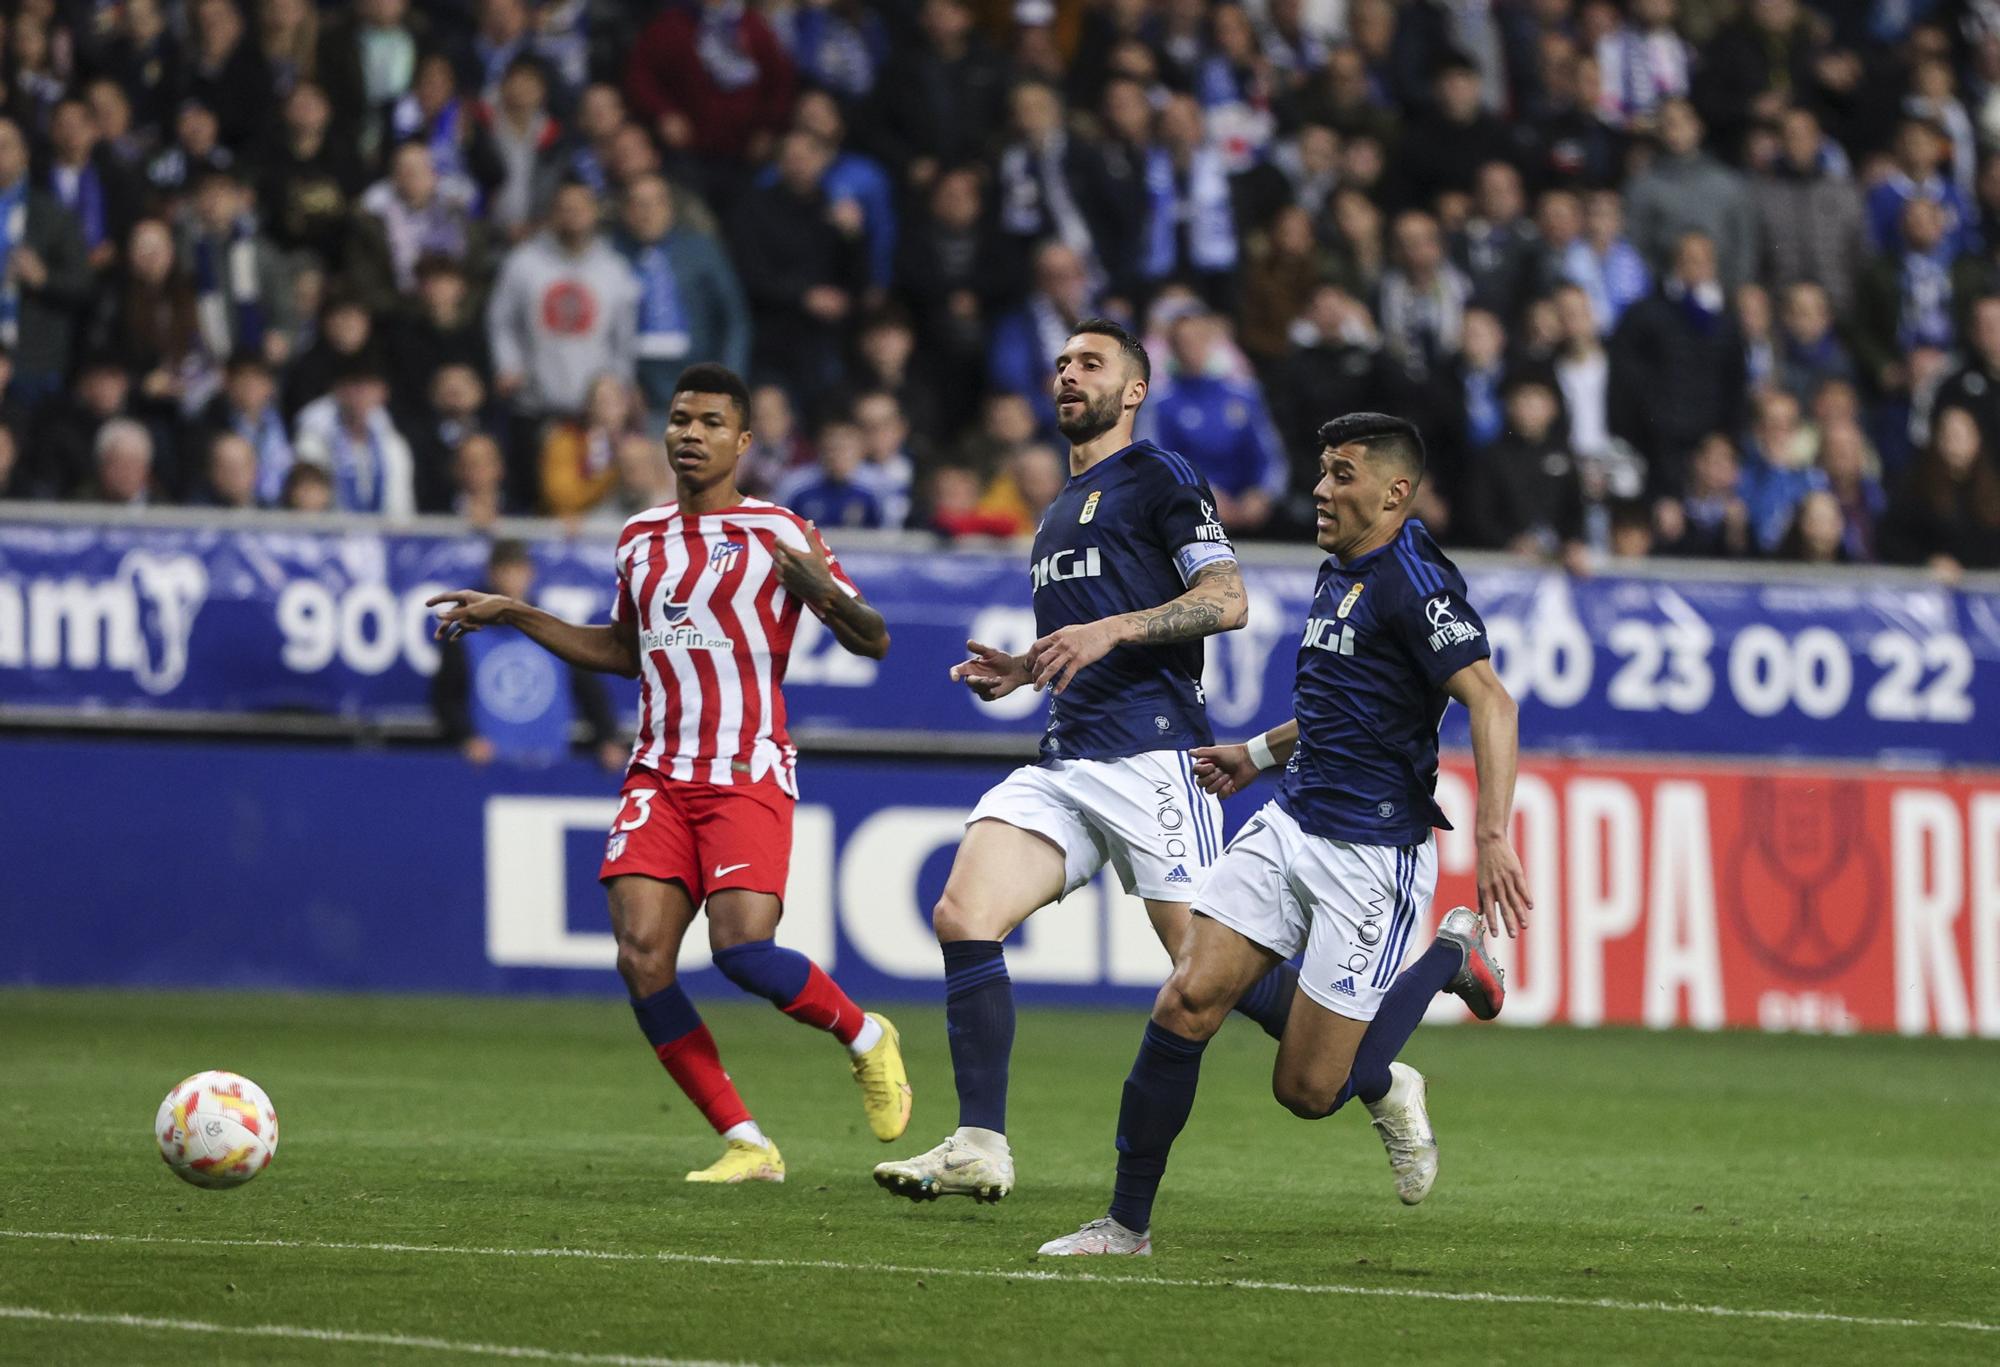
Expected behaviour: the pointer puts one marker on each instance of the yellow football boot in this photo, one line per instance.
(885, 1083)
(743, 1161)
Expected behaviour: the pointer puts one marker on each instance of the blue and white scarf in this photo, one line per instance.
(228, 308)
(1210, 219)
(359, 484)
(13, 228)
(720, 46)
(86, 202)
(1925, 319)
(663, 326)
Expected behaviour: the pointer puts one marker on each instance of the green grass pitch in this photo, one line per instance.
(1613, 1192)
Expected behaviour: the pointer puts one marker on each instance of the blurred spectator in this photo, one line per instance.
(229, 474)
(1497, 248)
(714, 82)
(813, 269)
(1817, 534)
(288, 41)
(307, 489)
(1051, 185)
(690, 304)
(886, 359)
(367, 60)
(1686, 190)
(1809, 351)
(123, 453)
(350, 435)
(197, 147)
(1772, 46)
(501, 34)
(148, 318)
(948, 98)
(777, 446)
(1644, 63)
(1444, 149)
(247, 408)
(1222, 426)
(494, 701)
(1478, 377)
(243, 291)
(837, 45)
(643, 482)
(1922, 152)
(1677, 370)
(1423, 300)
(1760, 342)
(1276, 282)
(455, 409)
(580, 455)
(1583, 374)
(1852, 476)
(1710, 518)
(405, 217)
(309, 181)
(1905, 300)
(563, 312)
(889, 469)
(1525, 494)
(1605, 264)
(529, 143)
(1975, 384)
(1335, 366)
(226, 71)
(464, 153)
(1779, 468)
(1029, 482)
(1809, 223)
(62, 451)
(853, 178)
(1947, 513)
(1190, 219)
(100, 194)
(442, 326)
(1024, 345)
(947, 270)
(144, 58)
(12, 483)
(832, 494)
(346, 335)
(952, 502)
(478, 480)
(44, 273)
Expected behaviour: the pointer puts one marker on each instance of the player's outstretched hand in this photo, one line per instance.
(1503, 887)
(1061, 655)
(990, 673)
(1224, 769)
(469, 611)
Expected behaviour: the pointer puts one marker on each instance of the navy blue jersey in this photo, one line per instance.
(1125, 535)
(1385, 633)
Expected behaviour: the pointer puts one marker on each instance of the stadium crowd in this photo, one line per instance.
(1689, 277)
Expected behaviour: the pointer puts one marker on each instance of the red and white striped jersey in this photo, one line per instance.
(715, 632)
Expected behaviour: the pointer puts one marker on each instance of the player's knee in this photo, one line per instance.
(644, 964)
(1185, 1007)
(953, 920)
(1306, 1097)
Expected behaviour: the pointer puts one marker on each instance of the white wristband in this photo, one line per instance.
(1260, 752)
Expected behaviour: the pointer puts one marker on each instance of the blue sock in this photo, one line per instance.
(1159, 1094)
(761, 968)
(1269, 1000)
(979, 1018)
(666, 1016)
(1403, 1007)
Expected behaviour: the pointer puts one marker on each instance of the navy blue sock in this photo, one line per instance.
(1159, 1094)
(979, 1018)
(666, 1016)
(1403, 1007)
(1269, 1000)
(761, 968)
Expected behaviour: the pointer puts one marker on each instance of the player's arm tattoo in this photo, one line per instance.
(1214, 601)
(858, 627)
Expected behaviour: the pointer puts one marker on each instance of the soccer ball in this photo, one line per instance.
(217, 1130)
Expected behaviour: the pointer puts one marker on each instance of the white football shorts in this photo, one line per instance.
(1352, 908)
(1143, 814)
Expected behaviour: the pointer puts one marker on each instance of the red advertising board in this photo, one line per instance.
(1820, 899)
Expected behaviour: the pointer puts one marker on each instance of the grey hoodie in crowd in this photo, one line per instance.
(1696, 193)
(560, 320)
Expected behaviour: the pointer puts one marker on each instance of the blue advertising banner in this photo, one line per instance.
(166, 618)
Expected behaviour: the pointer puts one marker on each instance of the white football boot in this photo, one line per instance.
(961, 1166)
(1405, 1127)
(1104, 1236)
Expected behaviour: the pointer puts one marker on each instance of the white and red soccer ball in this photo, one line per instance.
(217, 1129)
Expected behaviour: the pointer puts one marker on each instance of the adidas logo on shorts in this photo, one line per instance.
(1179, 874)
(1345, 987)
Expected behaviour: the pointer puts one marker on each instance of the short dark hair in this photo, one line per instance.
(709, 377)
(1127, 343)
(1384, 437)
(508, 551)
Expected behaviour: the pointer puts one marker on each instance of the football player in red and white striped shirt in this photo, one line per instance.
(710, 588)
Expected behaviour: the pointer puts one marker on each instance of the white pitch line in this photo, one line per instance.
(608, 1255)
(353, 1336)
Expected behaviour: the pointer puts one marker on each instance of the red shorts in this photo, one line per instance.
(707, 837)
